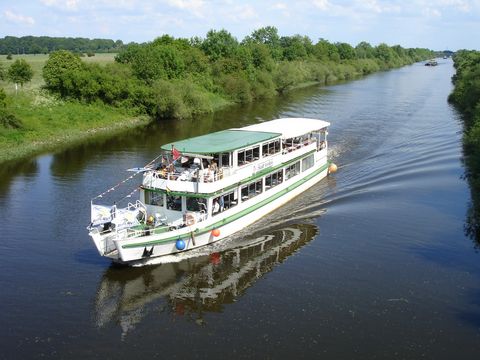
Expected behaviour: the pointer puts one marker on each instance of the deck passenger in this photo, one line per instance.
(216, 207)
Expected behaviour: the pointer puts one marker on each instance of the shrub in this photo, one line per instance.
(236, 87)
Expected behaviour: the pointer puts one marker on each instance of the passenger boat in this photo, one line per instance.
(203, 189)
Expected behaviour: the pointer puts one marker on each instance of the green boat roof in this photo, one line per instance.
(221, 141)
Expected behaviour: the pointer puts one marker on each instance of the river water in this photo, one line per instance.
(372, 262)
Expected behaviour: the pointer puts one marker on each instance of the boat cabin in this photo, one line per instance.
(202, 177)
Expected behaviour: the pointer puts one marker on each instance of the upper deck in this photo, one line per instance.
(215, 161)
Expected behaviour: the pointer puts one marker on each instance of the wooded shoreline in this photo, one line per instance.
(71, 98)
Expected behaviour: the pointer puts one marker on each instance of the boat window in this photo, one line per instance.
(307, 162)
(225, 159)
(292, 170)
(153, 198)
(273, 179)
(241, 158)
(224, 202)
(271, 148)
(174, 203)
(196, 204)
(251, 190)
(248, 155)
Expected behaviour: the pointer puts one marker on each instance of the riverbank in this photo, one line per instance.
(466, 98)
(49, 122)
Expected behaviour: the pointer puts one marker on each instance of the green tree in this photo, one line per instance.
(219, 44)
(58, 68)
(294, 47)
(154, 62)
(20, 72)
(324, 50)
(267, 36)
(364, 50)
(345, 51)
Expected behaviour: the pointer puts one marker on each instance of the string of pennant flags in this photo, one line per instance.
(148, 165)
(113, 188)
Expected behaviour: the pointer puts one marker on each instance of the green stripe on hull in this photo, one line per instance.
(233, 217)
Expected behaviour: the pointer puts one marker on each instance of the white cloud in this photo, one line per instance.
(461, 5)
(71, 5)
(432, 13)
(196, 7)
(18, 19)
(323, 5)
(279, 6)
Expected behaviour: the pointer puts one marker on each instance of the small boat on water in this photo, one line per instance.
(431, 62)
(203, 189)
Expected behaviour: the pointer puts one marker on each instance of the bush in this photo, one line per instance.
(262, 85)
(236, 87)
(9, 121)
(287, 75)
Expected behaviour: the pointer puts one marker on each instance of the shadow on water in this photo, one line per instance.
(471, 316)
(197, 285)
(10, 170)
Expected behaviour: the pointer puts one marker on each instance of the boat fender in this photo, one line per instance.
(332, 168)
(216, 232)
(180, 244)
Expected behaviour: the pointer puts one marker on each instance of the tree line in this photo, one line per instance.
(466, 98)
(177, 77)
(45, 45)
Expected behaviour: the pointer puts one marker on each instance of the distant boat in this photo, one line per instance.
(445, 56)
(431, 62)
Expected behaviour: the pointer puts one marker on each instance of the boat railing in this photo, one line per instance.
(193, 175)
(158, 178)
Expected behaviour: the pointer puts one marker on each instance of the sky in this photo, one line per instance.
(433, 24)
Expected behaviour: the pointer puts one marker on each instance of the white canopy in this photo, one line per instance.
(289, 127)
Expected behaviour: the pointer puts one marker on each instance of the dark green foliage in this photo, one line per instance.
(236, 87)
(46, 44)
(171, 77)
(7, 119)
(20, 72)
(219, 44)
(466, 94)
(9, 56)
(466, 97)
(345, 51)
(2, 72)
(60, 69)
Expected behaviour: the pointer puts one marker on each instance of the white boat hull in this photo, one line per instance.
(141, 249)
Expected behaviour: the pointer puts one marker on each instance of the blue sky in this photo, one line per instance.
(434, 24)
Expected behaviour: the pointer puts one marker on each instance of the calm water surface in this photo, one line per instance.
(369, 263)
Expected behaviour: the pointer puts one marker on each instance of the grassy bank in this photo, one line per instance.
(49, 122)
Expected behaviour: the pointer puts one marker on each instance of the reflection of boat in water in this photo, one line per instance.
(195, 285)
